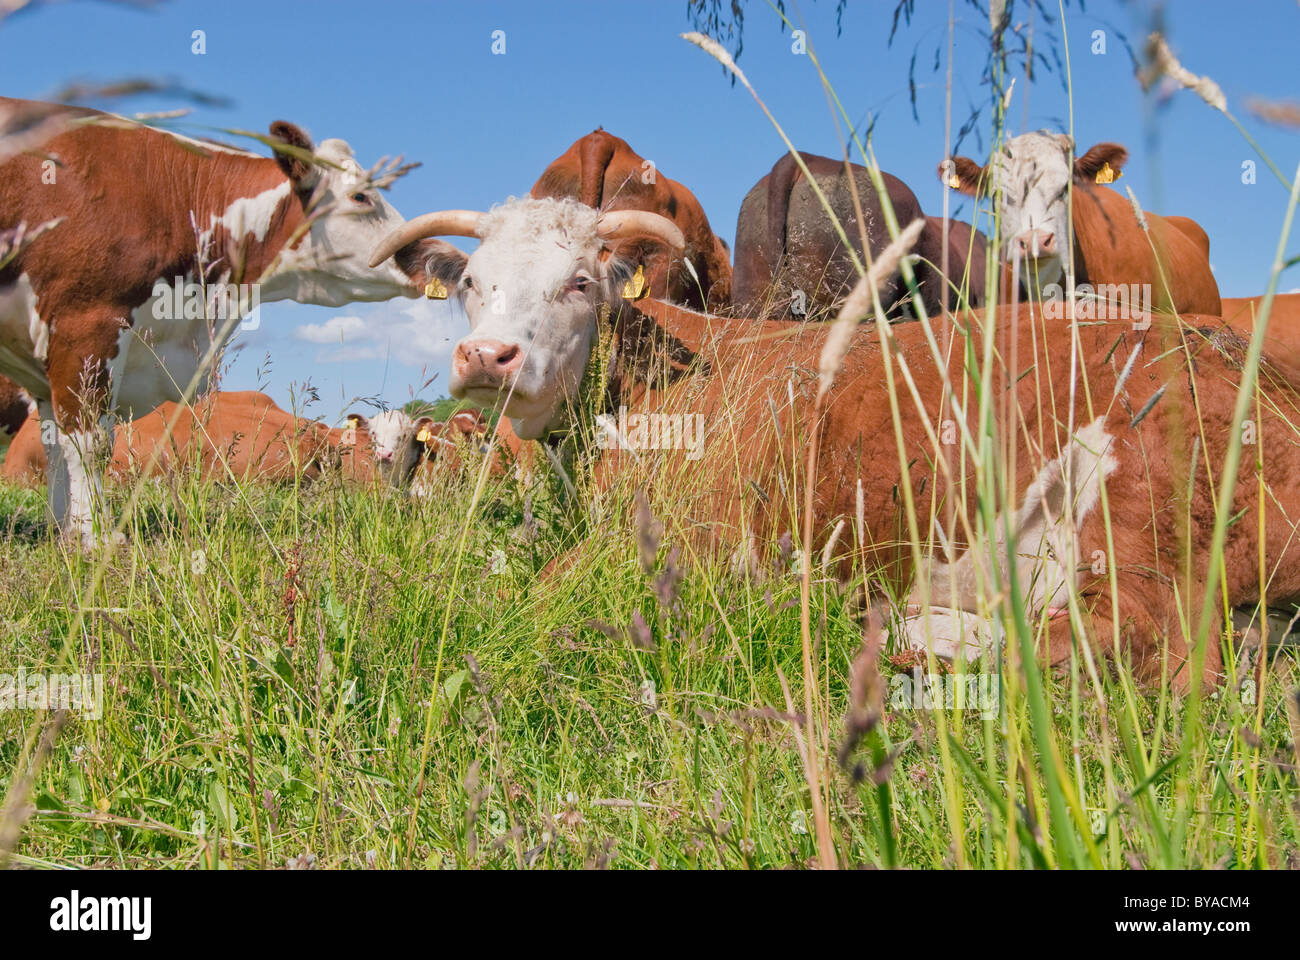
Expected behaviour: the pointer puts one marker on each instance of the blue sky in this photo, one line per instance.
(418, 77)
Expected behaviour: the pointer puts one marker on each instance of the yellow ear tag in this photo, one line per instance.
(435, 289)
(635, 288)
(954, 182)
(1107, 174)
(423, 435)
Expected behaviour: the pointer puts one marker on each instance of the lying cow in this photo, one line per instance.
(1091, 233)
(550, 260)
(15, 407)
(791, 262)
(454, 449)
(243, 436)
(387, 447)
(1282, 339)
(91, 321)
(602, 171)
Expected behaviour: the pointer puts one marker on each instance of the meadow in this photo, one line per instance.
(503, 675)
(269, 656)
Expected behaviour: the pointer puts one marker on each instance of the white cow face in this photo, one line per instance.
(393, 439)
(329, 265)
(1031, 177)
(531, 292)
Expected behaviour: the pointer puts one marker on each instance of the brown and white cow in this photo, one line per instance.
(240, 435)
(602, 171)
(244, 436)
(91, 321)
(454, 446)
(1060, 224)
(755, 396)
(790, 261)
(15, 406)
(385, 447)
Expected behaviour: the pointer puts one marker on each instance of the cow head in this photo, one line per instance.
(532, 292)
(1031, 174)
(346, 216)
(392, 440)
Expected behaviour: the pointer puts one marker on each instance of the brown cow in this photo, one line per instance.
(243, 435)
(790, 260)
(454, 445)
(754, 396)
(602, 171)
(233, 434)
(1031, 175)
(104, 313)
(15, 405)
(1282, 342)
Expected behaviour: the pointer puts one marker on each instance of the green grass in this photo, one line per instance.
(562, 738)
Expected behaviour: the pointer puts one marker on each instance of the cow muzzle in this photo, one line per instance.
(485, 364)
(1036, 244)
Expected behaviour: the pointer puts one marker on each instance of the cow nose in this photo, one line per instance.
(385, 456)
(1036, 243)
(489, 361)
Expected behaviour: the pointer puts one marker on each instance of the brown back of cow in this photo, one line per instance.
(1111, 248)
(602, 171)
(737, 495)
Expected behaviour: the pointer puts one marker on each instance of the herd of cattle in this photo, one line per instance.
(609, 273)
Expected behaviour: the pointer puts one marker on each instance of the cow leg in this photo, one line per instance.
(76, 424)
(74, 477)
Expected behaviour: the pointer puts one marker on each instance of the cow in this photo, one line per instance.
(568, 334)
(602, 171)
(15, 406)
(452, 447)
(243, 435)
(790, 261)
(386, 447)
(1088, 234)
(240, 435)
(1282, 339)
(110, 311)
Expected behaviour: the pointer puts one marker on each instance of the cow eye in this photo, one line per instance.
(360, 197)
(467, 282)
(581, 282)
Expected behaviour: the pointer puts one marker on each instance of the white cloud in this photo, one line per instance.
(342, 329)
(412, 333)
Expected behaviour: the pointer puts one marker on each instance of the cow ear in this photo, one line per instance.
(424, 431)
(292, 161)
(433, 264)
(1101, 164)
(964, 175)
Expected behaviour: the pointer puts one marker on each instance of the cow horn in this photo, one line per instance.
(618, 224)
(442, 223)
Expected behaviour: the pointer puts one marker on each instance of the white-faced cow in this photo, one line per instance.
(1094, 231)
(547, 262)
(92, 320)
